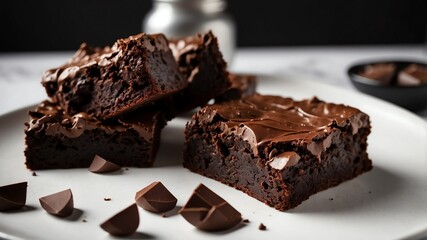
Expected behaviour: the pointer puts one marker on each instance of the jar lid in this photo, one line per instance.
(206, 5)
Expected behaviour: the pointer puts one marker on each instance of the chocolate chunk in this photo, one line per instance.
(123, 223)
(209, 212)
(262, 227)
(107, 199)
(13, 196)
(285, 159)
(382, 72)
(100, 165)
(155, 198)
(60, 204)
(412, 75)
(34, 174)
(246, 221)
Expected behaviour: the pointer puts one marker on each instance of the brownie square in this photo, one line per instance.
(278, 150)
(55, 139)
(107, 82)
(200, 61)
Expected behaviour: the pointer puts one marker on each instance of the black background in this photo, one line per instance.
(48, 25)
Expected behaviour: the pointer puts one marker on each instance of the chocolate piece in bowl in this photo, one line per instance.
(55, 139)
(110, 81)
(209, 212)
(100, 165)
(60, 204)
(381, 72)
(155, 198)
(200, 61)
(13, 196)
(278, 150)
(124, 223)
(412, 75)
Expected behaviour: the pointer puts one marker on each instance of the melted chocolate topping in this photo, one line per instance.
(74, 126)
(262, 119)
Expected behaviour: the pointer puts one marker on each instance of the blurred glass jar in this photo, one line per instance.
(180, 18)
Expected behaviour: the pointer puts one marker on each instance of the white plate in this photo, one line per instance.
(388, 202)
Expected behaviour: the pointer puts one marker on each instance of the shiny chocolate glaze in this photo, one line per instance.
(54, 121)
(268, 119)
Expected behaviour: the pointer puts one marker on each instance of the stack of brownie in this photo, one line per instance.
(114, 101)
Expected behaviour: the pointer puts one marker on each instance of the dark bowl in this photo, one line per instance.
(413, 98)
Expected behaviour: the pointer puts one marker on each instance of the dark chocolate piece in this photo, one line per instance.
(13, 196)
(100, 165)
(242, 85)
(56, 139)
(412, 75)
(381, 72)
(278, 150)
(262, 227)
(108, 82)
(209, 212)
(155, 198)
(123, 223)
(60, 204)
(201, 62)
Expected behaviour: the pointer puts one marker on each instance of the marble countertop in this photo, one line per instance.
(20, 73)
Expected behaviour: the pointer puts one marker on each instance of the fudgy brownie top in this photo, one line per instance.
(51, 119)
(271, 119)
(87, 57)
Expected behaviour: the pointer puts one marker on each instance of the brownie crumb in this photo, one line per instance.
(262, 227)
(34, 174)
(126, 169)
(107, 199)
(370, 192)
(331, 199)
(164, 215)
(246, 221)
(84, 220)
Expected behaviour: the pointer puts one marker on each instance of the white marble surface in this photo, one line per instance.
(20, 73)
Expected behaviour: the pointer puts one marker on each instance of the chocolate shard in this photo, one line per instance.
(100, 165)
(155, 198)
(13, 196)
(382, 72)
(60, 204)
(412, 75)
(209, 212)
(123, 223)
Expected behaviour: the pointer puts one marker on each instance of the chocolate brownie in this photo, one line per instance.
(55, 139)
(278, 150)
(201, 62)
(242, 85)
(107, 82)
